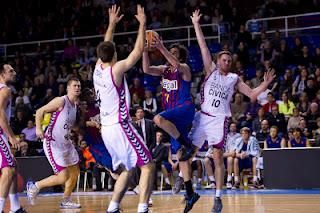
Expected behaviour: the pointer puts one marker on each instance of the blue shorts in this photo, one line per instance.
(168, 166)
(101, 155)
(245, 163)
(181, 116)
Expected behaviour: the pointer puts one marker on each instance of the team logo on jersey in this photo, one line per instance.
(170, 85)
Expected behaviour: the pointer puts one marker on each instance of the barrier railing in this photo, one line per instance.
(183, 34)
(286, 24)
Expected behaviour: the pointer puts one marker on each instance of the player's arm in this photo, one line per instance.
(5, 95)
(114, 18)
(254, 93)
(205, 53)
(122, 66)
(151, 70)
(173, 61)
(54, 105)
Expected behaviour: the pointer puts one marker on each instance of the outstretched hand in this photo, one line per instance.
(157, 42)
(114, 12)
(269, 76)
(196, 16)
(140, 14)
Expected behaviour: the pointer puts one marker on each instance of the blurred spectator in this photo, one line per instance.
(316, 134)
(286, 106)
(264, 131)
(145, 127)
(70, 52)
(277, 119)
(303, 105)
(150, 104)
(89, 160)
(312, 116)
(19, 122)
(135, 101)
(300, 83)
(271, 102)
(30, 132)
(247, 153)
(273, 140)
(298, 140)
(256, 81)
(294, 120)
(311, 88)
(303, 126)
(238, 107)
(137, 89)
(256, 124)
(285, 82)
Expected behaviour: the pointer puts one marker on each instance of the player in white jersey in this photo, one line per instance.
(216, 94)
(122, 140)
(58, 145)
(8, 179)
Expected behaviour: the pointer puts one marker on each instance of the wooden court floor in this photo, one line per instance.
(244, 203)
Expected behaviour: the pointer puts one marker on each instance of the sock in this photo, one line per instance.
(189, 188)
(211, 178)
(182, 141)
(14, 202)
(218, 193)
(167, 181)
(113, 206)
(142, 207)
(229, 178)
(236, 178)
(199, 180)
(2, 202)
(180, 174)
(255, 178)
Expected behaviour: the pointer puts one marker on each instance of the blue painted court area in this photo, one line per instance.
(207, 192)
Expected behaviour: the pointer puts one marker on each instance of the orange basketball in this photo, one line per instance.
(150, 34)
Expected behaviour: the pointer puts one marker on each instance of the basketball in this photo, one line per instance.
(150, 36)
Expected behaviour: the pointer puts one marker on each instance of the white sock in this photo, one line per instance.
(211, 178)
(142, 207)
(14, 202)
(167, 181)
(113, 206)
(229, 178)
(255, 178)
(180, 174)
(2, 202)
(199, 180)
(236, 178)
(218, 192)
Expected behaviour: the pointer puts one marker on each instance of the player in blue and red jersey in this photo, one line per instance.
(179, 110)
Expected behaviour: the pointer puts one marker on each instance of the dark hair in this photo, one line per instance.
(183, 52)
(139, 107)
(2, 68)
(71, 80)
(105, 51)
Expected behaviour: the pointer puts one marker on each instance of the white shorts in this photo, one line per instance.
(6, 157)
(210, 128)
(60, 155)
(125, 146)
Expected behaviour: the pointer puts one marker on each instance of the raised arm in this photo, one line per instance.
(173, 61)
(151, 70)
(54, 105)
(122, 66)
(254, 93)
(114, 18)
(205, 53)
(5, 95)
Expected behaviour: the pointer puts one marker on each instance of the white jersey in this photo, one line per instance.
(8, 108)
(61, 123)
(216, 93)
(114, 101)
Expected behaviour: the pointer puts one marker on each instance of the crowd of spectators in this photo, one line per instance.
(291, 105)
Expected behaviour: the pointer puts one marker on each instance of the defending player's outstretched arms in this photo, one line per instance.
(114, 18)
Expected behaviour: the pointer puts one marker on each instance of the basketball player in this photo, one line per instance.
(178, 114)
(58, 146)
(121, 139)
(216, 94)
(8, 179)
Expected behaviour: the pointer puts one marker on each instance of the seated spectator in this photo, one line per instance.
(316, 134)
(278, 120)
(137, 88)
(229, 152)
(311, 88)
(24, 97)
(23, 152)
(312, 116)
(304, 128)
(286, 106)
(247, 153)
(89, 160)
(30, 132)
(294, 120)
(298, 140)
(150, 104)
(246, 121)
(256, 81)
(256, 123)
(238, 108)
(135, 102)
(274, 140)
(303, 105)
(271, 102)
(264, 131)
(159, 154)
